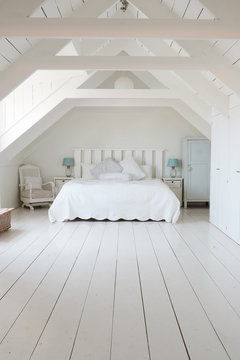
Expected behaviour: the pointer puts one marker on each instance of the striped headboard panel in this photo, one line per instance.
(153, 157)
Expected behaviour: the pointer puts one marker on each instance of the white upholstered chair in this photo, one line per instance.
(32, 191)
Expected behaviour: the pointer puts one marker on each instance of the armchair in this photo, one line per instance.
(32, 191)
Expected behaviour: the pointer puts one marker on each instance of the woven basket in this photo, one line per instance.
(5, 219)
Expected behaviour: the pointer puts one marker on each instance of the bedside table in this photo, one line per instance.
(59, 181)
(176, 185)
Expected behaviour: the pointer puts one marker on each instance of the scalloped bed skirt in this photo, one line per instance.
(115, 200)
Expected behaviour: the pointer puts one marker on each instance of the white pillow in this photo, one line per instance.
(131, 167)
(115, 176)
(34, 180)
(86, 171)
(147, 169)
(106, 166)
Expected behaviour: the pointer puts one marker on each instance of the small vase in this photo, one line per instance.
(173, 172)
(68, 171)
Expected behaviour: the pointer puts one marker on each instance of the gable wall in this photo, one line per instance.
(109, 127)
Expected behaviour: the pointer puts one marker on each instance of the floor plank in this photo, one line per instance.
(129, 339)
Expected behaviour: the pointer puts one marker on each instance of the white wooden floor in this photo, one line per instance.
(119, 291)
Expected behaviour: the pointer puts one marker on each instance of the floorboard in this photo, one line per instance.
(129, 338)
(88, 290)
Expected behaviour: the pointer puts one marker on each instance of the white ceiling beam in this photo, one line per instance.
(123, 63)
(119, 28)
(122, 94)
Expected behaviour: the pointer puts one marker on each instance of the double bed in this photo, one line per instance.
(145, 199)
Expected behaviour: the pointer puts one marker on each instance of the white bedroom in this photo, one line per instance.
(119, 180)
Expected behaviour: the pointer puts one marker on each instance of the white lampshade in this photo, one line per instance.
(124, 82)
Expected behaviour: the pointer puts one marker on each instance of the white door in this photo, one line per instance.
(234, 181)
(219, 202)
(198, 170)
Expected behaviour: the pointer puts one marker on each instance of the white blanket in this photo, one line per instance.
(114, 200)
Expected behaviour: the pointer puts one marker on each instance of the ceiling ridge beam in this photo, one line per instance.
(122, 94)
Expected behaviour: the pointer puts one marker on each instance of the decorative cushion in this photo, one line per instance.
(147, 169)
(37, 194)
(106, 166)
(115, 176)
(131, 167)
(34, 180)
(86, 171)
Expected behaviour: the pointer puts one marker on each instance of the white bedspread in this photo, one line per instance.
(114, 200)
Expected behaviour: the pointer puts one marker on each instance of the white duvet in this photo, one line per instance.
(114, 200)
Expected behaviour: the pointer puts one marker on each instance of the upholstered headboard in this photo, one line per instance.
(153, 157)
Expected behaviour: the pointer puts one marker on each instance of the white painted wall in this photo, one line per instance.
(109, 127)
(9, 196)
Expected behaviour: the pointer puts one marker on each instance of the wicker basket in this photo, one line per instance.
(5, 219)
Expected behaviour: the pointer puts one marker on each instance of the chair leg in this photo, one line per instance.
(31, 207)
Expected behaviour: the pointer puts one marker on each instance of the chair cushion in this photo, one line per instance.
(37, 194)
(34, 180)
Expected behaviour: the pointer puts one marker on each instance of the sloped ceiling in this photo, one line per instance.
(187, 47)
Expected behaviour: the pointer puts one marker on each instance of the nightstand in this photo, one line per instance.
(176, 185)
(59, 181)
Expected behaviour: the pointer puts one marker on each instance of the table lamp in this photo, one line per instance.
(173, 163)
(68, 162)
